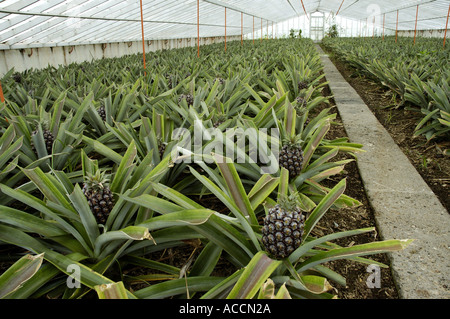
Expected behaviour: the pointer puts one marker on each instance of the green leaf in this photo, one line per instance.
(49, 188)
(235, 187)
(315, 141)
(353, 251)
(323, 207)
(254, 276)
(283, 293)
(192, 217)
(262, 189)
(175, 287)
(121, 174)
(128, 233)
(87, 217)
(29, 222)
(114, 290)
(100, 148)
(305, 247)
(267, 290)
(16, 275)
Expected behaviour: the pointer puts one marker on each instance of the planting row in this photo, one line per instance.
(417, 74)
(102, 165)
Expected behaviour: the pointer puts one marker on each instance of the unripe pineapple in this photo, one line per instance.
(47, 135)
(188, 97)
(49, 139)
(102, 112)
(221, 80)
(291, 157)
(283, 229)
(169, 80)
(302, 85)
(17, 77)
(301, 101)
(99, 196)
(219, 120)
(161, 149)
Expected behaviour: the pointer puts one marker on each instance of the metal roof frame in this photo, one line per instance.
(38, 23)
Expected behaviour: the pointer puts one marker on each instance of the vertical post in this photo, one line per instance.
(2, 97)
(225, 29)
(272, 30)
(267, 29)
(340, 7)
(384, 20)
(396, 29)
(446, 26)
(253, 29)
(143, 41)
(306, 13)
(415, 29)
(198, 28)
(261, 30)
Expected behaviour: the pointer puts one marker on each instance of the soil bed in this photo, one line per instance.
(427, 157)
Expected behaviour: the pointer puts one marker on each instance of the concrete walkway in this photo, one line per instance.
(404, 205)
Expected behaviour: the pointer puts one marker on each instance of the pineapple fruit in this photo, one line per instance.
(302, 85)
(99, 195)
(283, 228)
(188, 97)
(161, 148)
(102, 112)
(291, 157)
(49, 138)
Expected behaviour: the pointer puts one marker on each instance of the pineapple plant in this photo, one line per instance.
(283, 228)
(98, 194)
(291, 155)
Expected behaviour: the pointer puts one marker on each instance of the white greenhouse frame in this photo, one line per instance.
(51, 23)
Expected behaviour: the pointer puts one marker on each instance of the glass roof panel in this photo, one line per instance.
(56, 22)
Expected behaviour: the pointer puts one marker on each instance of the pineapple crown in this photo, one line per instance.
(97, 181)
(289, 203)
(293, 141)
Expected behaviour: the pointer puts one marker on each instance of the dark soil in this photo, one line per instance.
(345, 219)
(427, 157)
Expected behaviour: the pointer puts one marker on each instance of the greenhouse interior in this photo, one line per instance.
(224, 149)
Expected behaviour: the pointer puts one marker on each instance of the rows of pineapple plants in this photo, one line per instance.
(95, 175)
(417, 75)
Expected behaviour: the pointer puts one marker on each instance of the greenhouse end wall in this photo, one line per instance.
(39, 58)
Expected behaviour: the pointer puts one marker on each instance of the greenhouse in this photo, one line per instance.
(223, 149)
